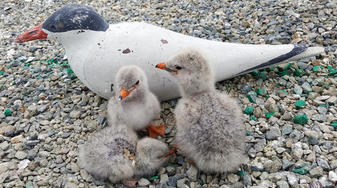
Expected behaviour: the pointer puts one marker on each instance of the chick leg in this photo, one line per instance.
(130, 182)
(156, 128)
(172, 151)
(155, 131)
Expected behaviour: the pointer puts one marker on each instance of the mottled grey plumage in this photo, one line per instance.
(115, 153)
(139, 108)
(210, 129)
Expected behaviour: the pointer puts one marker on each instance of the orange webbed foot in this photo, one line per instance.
(172, 151)
(155, 131)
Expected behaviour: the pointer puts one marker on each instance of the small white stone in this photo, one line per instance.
(332, 176)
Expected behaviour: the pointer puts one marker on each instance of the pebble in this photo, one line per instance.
(20, 155)
(316, 172)
(282, 184)
(143, 182)
(273, 134)
(323, 163)
(163, 178)
(297, 150)
(332, 176)
(192, 173)
(75, 114)
(306, 87)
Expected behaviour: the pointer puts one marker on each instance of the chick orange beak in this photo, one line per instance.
(123, 93)
(161, 66)
(32, 34)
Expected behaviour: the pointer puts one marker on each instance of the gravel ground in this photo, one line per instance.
(290, 110)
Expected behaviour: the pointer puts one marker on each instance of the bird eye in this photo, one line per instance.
(137, 82)
(53, 27)
(178, 67)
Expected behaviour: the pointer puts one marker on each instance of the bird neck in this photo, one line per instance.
(196, 87)
(75, 39)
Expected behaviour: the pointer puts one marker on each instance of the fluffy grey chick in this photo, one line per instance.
(134, 104)
(210, 129)
(114, 153)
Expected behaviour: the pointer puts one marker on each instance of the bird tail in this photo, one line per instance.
(299, 51)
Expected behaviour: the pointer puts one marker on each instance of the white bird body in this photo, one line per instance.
(97, 50)
(95, 56)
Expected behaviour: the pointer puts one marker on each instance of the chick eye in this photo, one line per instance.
(178, 67)
(137, 82)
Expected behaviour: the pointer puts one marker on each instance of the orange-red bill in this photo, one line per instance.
(161, 65)
(123, 93)
(32, 34)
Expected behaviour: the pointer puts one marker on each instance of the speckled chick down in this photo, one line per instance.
(210, 128)
(139, 108)
(114, 153)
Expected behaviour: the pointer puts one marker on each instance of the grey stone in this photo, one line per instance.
(192, 173)
(75, 114)
(181, 183)
(286, 164)
(292, 179)
(332, 176)
(282, 184)
(273, 134)
(287, 129)
(20, 155)
(170, 170)
(143, 182)
(297, 150)
(316, 172)
(297, 89)
(163, 178)
(247, 180)
(306, 87)
(323, 163)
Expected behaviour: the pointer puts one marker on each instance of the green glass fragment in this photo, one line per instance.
(316, 68)
(334, 124)
(300, 170)
(333, 72)
(283, 72)
(261, 91)
(263, 75)
(298, 72)
(69, 71)
(7, 112)
(253, 117)
(242, 173)
(2, 72)
(283, 93)
(300, 103)
(288, 66)
(153, 178)
(173, 165)
(249, 110)
(269, 114)
(255, 73)
(252, 96)
(249, 133)
(301, 119)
